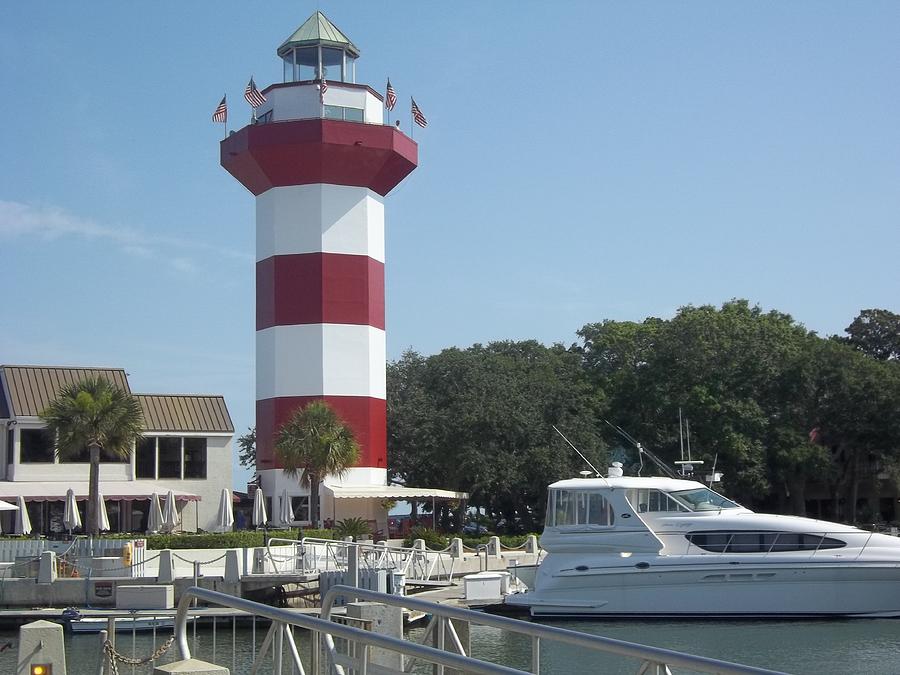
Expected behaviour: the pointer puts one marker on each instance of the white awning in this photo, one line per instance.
(54, 491)
(391, 492)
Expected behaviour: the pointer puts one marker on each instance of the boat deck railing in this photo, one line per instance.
(338, 647)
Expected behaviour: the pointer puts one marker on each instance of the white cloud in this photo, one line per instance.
(50, 223)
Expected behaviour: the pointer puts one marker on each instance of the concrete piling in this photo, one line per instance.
(386, 620)
(191, 667)
(166, 573)
(41, 644)
(47, 570)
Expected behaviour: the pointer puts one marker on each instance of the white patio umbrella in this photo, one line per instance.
(287, 513)
(260, 517)
(170, 513)
(226, 511)
(154, 518)
(71, 517)
(23, 522)
(6, 506)
(102, 515)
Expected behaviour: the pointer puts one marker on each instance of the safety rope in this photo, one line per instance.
(113, 657)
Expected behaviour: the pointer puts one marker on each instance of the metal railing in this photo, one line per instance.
(311, 555)
(449, 651)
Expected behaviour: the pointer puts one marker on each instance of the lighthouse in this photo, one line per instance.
(320, 161)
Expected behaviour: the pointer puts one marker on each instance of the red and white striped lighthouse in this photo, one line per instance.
(320, 163)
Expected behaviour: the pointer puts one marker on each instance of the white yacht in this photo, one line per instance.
(632, 546)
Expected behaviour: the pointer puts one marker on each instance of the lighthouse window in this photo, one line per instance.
(306, 61)
(334, 112)
(333, 63)
(353, 114)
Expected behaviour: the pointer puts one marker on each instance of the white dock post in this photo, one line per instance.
(41, 644)
(494, 547)
(166, 574)
(352, 576)
(531, 544)
(232, 569)
(456, 548)
(47, 570)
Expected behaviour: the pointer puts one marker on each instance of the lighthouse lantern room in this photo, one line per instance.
(320, 160)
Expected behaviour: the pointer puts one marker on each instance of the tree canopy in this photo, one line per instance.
(773, 404)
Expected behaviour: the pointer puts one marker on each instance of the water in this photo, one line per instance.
(822, 647)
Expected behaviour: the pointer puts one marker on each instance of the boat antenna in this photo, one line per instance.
(712, 475)
(661, 465)
(580, 454)
(680, 434)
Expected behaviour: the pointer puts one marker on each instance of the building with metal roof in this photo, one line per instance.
(185, 448)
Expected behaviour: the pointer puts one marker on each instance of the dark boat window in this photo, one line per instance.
(761, 542)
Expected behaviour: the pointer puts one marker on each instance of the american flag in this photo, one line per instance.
(390, 97)
(418, 117)
(252, 94)
(323, 87)
(221, 114)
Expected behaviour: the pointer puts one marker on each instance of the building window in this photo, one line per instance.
(145, 458)
(169, 457)
(35, 445)
(300, 508)
(195, 458)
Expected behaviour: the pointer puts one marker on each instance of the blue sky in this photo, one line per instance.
(583, 161)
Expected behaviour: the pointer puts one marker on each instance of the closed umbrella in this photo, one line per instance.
(23, 522)
(170, 513)
(154, 518)
(287, 514)
(102, 515)
(260, 517)
(71, 517)
(226, 511)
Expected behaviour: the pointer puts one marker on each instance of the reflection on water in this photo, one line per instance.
(860, 646)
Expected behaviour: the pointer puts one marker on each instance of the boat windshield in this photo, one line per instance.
(703, 499)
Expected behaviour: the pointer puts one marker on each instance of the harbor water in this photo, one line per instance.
(822, 647)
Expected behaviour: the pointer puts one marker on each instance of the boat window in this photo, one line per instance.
(703, 499)
(578, 507)
(653, 501)
(761, 542)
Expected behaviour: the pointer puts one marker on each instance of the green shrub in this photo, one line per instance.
(433, 540)
(239, 539)
(352, 527)
(319, 534)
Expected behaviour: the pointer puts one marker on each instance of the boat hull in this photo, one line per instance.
(721, 589)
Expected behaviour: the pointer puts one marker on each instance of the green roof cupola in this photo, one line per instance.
(318, 50)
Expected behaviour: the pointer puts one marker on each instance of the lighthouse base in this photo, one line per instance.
(276, 485)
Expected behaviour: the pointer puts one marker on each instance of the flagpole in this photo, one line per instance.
(225, 98)
(412, 132)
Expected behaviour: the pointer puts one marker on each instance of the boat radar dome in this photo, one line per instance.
(615, 471)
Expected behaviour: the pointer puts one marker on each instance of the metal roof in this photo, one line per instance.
(318, 30)
(32, 388)
(185, 413)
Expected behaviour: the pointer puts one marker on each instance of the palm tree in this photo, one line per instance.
(315, 443)
(97, 415)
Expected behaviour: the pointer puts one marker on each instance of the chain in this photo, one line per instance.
(207, 562)
(112, 656)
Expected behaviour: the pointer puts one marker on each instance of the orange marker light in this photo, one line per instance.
(41, 669)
